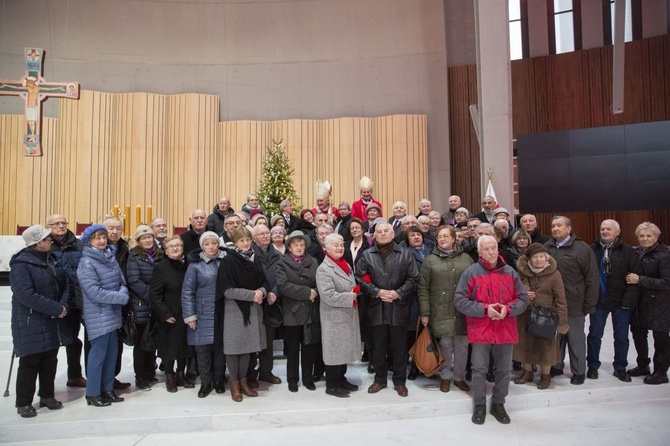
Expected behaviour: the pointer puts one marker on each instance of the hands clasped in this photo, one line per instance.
(497, 311)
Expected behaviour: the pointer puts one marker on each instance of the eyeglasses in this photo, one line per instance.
(58, 223)
(443, 237)
(262, 234)
(174, 247)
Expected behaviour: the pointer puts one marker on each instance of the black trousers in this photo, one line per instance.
(335, 375)
(661, 348)
(42, 365)
(396, 338)
(298, 354)
(264, 358)
(73, 351)
(143, 362)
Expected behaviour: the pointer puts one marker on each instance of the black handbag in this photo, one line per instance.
(148, 341)
(128, 331)
(542, 322)
(273, 315)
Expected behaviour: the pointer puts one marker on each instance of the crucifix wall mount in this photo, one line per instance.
(34, 89)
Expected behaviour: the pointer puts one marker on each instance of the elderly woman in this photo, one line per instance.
(439, 275)
(39, 304)
(140, 268)
(307, 224)
(339, 316)
(242, 282)
(461, 217)
(278, 237)
(520, 242)
(257, 217)
(296, 284)
(165, 297)
(200, 312)
(251, 204)
(538, 272)
(653, 309)
(435, 220)
(277, 220)
(104, 294)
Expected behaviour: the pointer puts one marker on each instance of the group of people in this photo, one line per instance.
(328, 281)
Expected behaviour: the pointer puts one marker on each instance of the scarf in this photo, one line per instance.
(151, 253)
(444, 251)
(538, 270)
(607, 250)
(246, 255)
(207, 258)
(385, 250)
(297, 259)
(177, 262)
(341, 263)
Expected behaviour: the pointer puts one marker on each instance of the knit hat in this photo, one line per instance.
(142, 230)
(298, 234)
(535, 248)
(275, 219)
(255, 212)
(88, 232)
(205, 235)
(35, 234)
(500, 211)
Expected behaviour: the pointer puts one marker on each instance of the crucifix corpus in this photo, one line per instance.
(34, 89)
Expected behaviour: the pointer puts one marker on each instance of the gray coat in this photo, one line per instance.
(340, 334)
(294, 283)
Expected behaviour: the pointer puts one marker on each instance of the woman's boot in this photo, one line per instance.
(246, 390)
(183, 381)
(171, 382)
(235, 393)
(526, 376)
(545, 381)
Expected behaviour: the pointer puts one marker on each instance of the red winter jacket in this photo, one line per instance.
(481, 285)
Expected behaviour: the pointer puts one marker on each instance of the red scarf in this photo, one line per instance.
(341, 263)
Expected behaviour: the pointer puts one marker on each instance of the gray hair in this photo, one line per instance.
(648, 226)
(325, 226)
(487, 227)
(345, 203)
(484, 238)
(330, 238)
(566, 220)
(284, 203)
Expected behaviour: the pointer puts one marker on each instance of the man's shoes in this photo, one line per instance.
(462, 385)
(479, 415)
(555, 372)
(338, 392)
(97, 401)
(309, 385)
(143, 385)
(622, 375)
(153, 380)
(491, 377)
(639, 371)
(50, 403)
(346, 385)
(76, 382)
(592, 373)
(119, 385)
(402, 390)
(577, 379)
(220, 387)
(292, 387)
(205, 390)
(499, 413)
(317, 377)
(26, 411)
(111, 397)
(252, 382)
(376, 387)
(656, 378)
(445, 385)
(413, 372)
(272, 379)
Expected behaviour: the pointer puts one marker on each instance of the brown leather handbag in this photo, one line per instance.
(426, 352)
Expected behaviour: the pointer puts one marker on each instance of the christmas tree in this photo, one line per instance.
(276, 182)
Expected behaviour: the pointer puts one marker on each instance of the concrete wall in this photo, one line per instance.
(265, 59)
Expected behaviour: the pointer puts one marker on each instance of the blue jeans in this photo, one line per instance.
(102, 364)
(620, 323)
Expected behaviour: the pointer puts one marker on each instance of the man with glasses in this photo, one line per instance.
(67, 249)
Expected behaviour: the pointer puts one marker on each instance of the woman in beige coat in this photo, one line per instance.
(538, 273)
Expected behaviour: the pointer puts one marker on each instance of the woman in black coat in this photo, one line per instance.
(39, 304)
(653, 308)
(165, 297)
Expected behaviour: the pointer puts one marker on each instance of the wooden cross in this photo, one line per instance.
(34, 89)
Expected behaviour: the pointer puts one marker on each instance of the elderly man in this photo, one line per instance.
(292, 222)
(268, 256)
(426, 229)
(424, 207)
(488, 207)
(359, 207)
(454, 203)
(344, 221)
(399, 212)
(491, 295)
(160, 228)
(388, 275)
(480, 230)
(529, 224)
(505, 233)
(317, 250)
(409, 220)
(218, 215)
(232, 222)
(198, 224)
(67, 249)
(615, 260)
(578, 267)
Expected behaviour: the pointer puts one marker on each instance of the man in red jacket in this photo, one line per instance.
(491, 295)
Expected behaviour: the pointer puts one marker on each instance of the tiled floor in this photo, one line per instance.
(601, 412)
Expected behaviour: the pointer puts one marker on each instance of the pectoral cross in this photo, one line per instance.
(34, 89)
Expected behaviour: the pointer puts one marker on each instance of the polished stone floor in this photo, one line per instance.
(601, 412)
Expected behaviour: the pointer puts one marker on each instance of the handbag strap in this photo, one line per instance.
(418, 324)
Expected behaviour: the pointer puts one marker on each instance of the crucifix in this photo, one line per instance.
(34, 89)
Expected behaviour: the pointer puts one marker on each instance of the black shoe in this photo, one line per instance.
(26, 411)
(490, 377)
(499, 413)
(143, 385)
(111, 397)
(413, 373)
(656, 378)
(338, 392)
(479, 415)
(555, 372)
(51, 403)
(517, 366)
(348, 386)
(371, 368)
(205, 390)
(76, 382)
(622, 375)
(219, 387)
(592, 373)
(468, 377)
(153, 380)
(309, 385)
(292, 387)
(97, 401)
(639, 371)
(577, 379)
(119, 385)
(317, 377)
